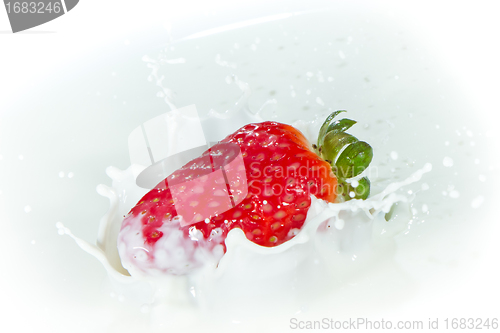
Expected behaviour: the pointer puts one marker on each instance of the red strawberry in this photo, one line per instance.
(189, 214)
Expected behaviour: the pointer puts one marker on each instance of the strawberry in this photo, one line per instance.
(258, 179)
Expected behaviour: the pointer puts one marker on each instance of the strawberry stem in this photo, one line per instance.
(340, 125)
(333, 144)
(348, 192)
(324, 127)
(354, 159)
(348, 156)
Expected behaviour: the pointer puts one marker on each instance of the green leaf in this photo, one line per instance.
(333, 144)
(347, 155)
(340, 125)
(324, 127)
(354, 159)
(362, 191)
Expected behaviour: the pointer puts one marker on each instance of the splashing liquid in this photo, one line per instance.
(337, 241)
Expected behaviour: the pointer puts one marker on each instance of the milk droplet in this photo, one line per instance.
(61, 229)
(308, 92)
(27, 209)
(454, 194)
(447, 143)
(394, 155)
(21, 157)
(425, 187)
(447, 162)
(482, 178)
(320, 101)
(341, 55)
(70, 175)
(425, 209)
(33, 242)
(477, 202)
(61, 174)
(339, 224)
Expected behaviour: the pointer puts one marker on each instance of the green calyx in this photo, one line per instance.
(348, 156)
